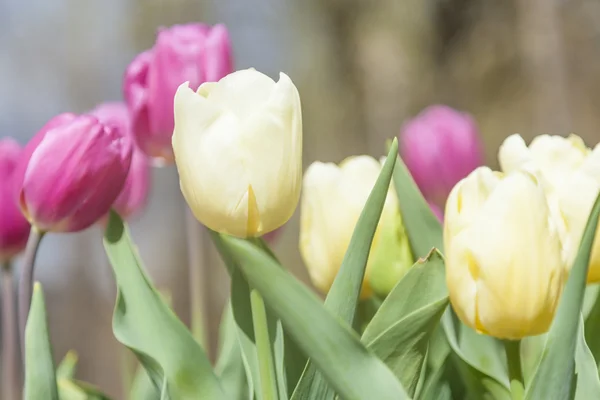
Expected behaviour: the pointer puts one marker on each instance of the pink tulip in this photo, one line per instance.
(135, 192)
(196, 53)
(71, 172)
(14, 228)
(440, 146)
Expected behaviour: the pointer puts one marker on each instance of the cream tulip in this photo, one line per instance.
(238, 151)
(571, 175)
(504, 268)
(333, 198)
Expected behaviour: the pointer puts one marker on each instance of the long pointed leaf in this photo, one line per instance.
(553, 378)
(143, 322)
(400, 331)
(351, 370)
(40, 376)
(345, 290)
(588, 382)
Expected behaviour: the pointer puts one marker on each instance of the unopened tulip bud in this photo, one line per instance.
(14, 228)
(71, 172)
(570, 172)
(135, 191)
(504, 268)
(333, 198)
(440, 146)
(238, 151)
(194, 53)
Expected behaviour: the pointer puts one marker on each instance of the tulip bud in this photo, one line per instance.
(71, 172)
(14, 228)
(504, 268)
(238, 151)
(135, 192)
(332, 200)
(196, 53)
(440, 147)
(570, 172)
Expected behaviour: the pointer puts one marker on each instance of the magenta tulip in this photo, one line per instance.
(14, 228)
(135, 192)
(195, 53)
(71, 172)
(440, 147)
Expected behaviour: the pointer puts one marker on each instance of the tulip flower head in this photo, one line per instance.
(14, 228)
(504, 268)
(333, 198)
(440, 146)
(71, 172)
(238, 151)
(135, 192)
(195, 53)
(571, 174)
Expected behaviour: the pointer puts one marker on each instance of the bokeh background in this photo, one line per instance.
(362, 68)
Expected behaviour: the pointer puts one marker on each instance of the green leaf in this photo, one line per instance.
(144, 323)
(484, 352)
(242, 314)
(345, 290)
(75, 390)
(40, 376)
(351, 370)
(400, 331)
(588, 382)
(479, 384)
(553, 378)
(230, 364)
(66, 368)
(423, 228)
(592, 322)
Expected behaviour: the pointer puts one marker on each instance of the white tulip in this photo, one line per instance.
(238, 151)
(504, 268)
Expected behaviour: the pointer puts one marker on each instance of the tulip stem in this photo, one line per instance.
(10, 359)
(263, 347)
(515, 373)
(197, 275)
(26, 283)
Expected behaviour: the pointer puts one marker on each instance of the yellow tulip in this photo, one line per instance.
(571, 175)
(332, 199)
(504, 268)
(238, 151)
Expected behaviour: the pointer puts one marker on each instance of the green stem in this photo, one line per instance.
(10, 358)
(515, 373)
(26, 282)
(197, 271)
(266, 368)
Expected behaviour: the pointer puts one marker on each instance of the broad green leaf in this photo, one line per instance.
(588, 382)
(66, 368)
(423, 228)
(435, 387)
(142, 388)
(350, 369)
(74, 390)
(230, 364)
(40, 376)
(592, 324)
(553, 378)
(484, 352)
(400, 331)
(345, 290)
(242, 316)
(144, 323)
(479, 384)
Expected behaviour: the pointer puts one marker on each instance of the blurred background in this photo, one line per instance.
(362, 68)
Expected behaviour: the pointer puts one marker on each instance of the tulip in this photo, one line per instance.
(195, 53)
(14, 228)
(238, 151)
(570, 172)
(504, 268)
(440, 147)
(333, 198)
(135, 192)
(71, 172)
